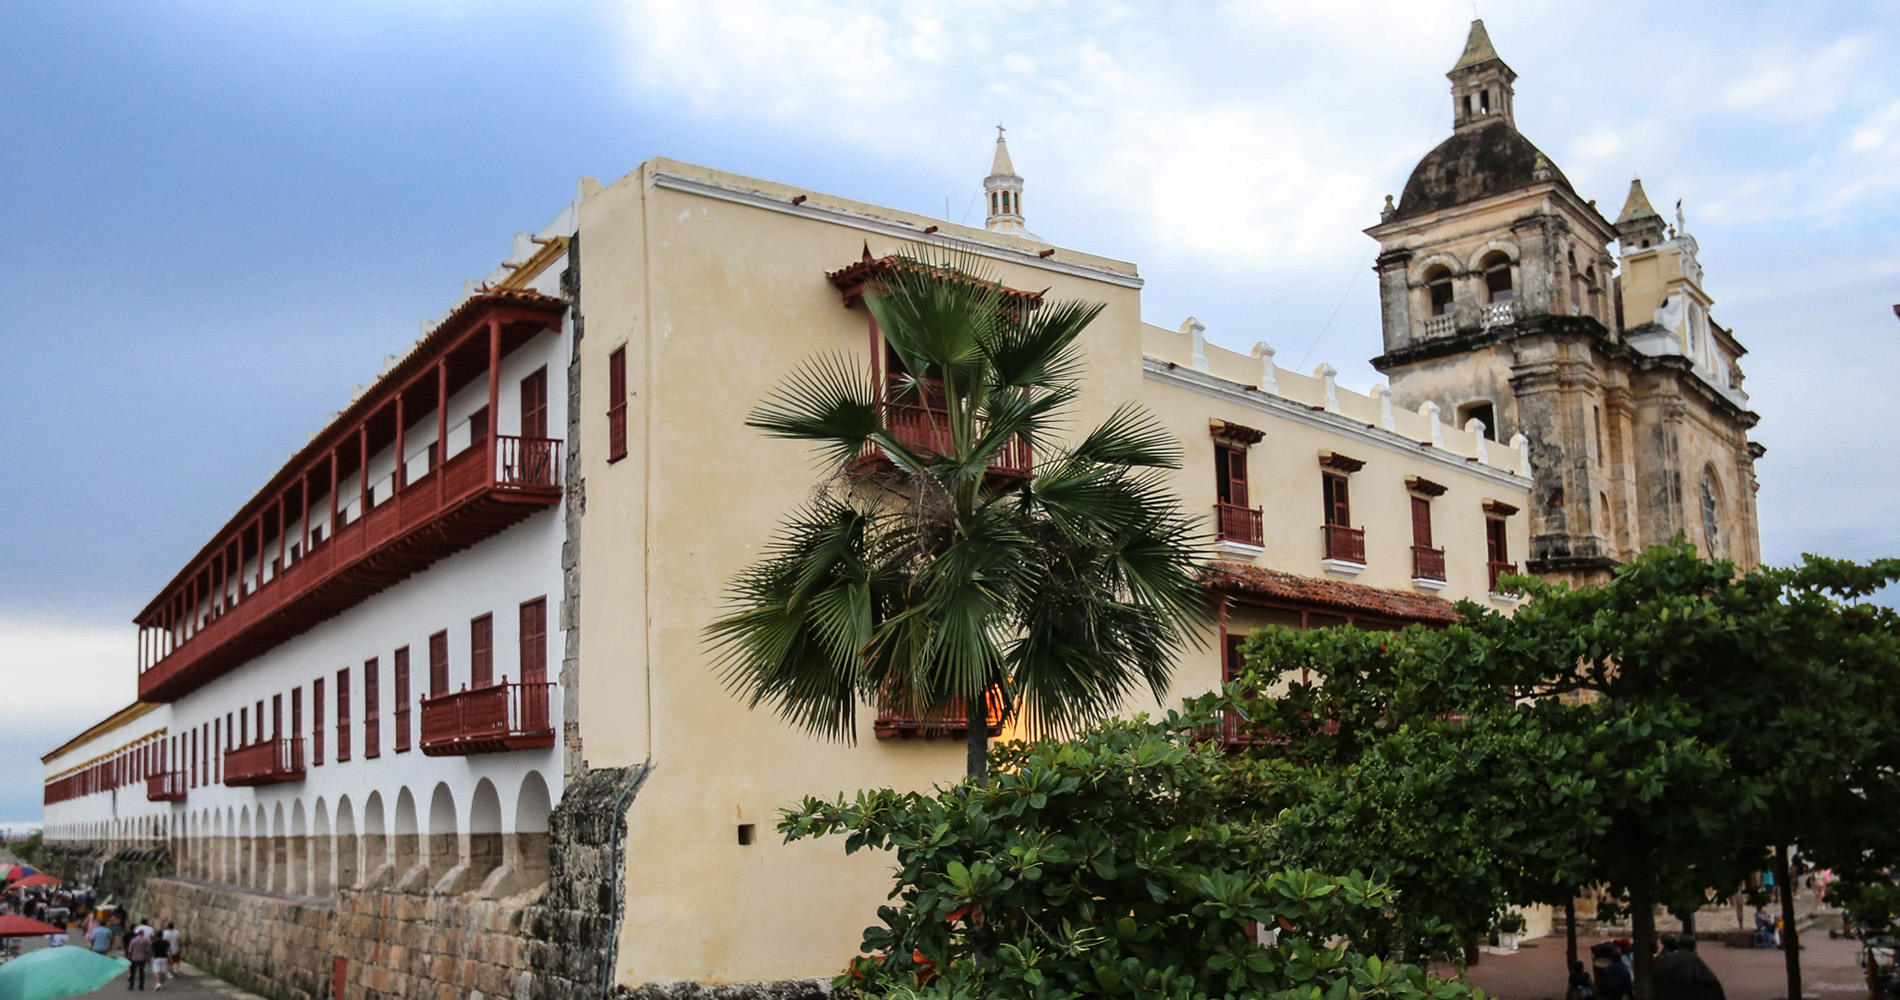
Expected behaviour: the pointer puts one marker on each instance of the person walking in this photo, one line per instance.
(138, 951)
(161, 960)
(1680, 974)
(100, 937)
(177, 942)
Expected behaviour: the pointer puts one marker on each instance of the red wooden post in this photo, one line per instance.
(303, 533)
(494, 391)
(335, 488)
(397, 483)
(362, 471)
(441, 425)
(283, 535)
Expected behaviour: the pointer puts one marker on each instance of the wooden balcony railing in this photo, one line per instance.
(1239, 524)
(491, 719)
(441, 512)
(1345, 544)
(1428, 563)
(165, 786)
(1497, 570)
(949, 721)
(267, 763)
(926, 430)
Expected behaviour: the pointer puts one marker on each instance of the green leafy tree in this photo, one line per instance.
(1656, 735)
(1126, 863)
(945, 580)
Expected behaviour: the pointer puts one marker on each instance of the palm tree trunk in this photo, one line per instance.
(977, 762)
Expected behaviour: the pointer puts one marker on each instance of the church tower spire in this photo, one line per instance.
(1005, 191)
(1481, 84)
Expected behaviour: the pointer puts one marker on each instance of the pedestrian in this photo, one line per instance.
(1680, 974)
(100, 937)
(1580, 987)
(138, 951)
(161, 959)
(1614, 981)
(177, 942)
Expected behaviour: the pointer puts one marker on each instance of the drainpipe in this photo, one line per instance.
(618, 877)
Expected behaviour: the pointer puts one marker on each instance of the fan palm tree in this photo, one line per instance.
(936, 573)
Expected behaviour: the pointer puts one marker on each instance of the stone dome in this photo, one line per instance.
(1474, 164)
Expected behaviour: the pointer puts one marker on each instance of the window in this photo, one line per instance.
(1338, 503)
(534, 404)
(276, 717)
(1230, 474)
(534, 641)
(478, 428)
(402, 699)
(244, 727)
(343, 715)
(223, 745)
(296, 712)
(316, 722)
(1484, 101)
(1438, 286)
(1497, 276)
(1497, 550)
(481, 652)
(1711, 514)
(1422, 522)
(439, 664)
(195, 770)
(372, 711)
(1483, 411)
(617, 405)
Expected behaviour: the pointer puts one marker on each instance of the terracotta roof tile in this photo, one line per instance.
(1292, 588)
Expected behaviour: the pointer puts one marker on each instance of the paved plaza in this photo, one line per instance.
(1829, 970)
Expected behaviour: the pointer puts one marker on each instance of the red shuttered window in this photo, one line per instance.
(481, 653)
(534, 641)
(1421, 522)
(343, 715)
(372, 709)
(534, 404)
(439, 664)
(402, 700)
(316, 722)
(617, 405)
(1338, 504)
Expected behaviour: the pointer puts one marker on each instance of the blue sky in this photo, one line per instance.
(220, 216)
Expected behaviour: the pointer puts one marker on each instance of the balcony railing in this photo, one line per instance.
(1439, 326)
(491, 719)
(166, 786)
(441, 512)
(949, 721)
(926, 430)
(1345, 544)
(1498, 570)
(1239, 524)
(267, 763)
(1428, 563)
(1498, 313)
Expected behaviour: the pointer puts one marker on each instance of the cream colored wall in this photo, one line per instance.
(717, 300)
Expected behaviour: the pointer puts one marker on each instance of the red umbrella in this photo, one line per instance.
(14, 925)
(34, 880)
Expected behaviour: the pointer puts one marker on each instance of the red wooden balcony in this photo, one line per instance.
(1345, 544)
(267, 763)
(926, 430)
(166, 786)
(1428, 563)
(435, 515)
(950, 721)
(1239, 524)
(1497, 570)
(487, 720)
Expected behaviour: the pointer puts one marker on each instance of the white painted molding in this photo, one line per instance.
(1384, 392)
(1197, 332)
(1329, 377)
(1239, 551)
(1429, 410)
(1428, 585)
(1341, 567)
(1523, 446)
(1269, 381)
(1477, 427)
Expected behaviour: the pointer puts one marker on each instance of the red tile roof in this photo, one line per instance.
(1338, 595)
(852, 278)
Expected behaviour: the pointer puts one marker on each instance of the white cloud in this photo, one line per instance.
(78, 671)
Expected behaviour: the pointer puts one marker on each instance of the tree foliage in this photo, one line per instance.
(1129, 862)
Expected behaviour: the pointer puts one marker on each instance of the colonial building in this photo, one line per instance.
(559, 471)
(1509, 299)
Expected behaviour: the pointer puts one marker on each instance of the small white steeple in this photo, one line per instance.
(1004, 188)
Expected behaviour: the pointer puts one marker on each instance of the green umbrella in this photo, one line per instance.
(57, 972)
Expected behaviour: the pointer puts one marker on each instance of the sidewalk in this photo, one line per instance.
(1830, 970)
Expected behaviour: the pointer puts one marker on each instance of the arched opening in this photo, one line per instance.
(321, 872)
(408, 849)
(484, 831)
(375, 845)
(1711, 490)
(1438, 289)
(1496, 267)
(1595, 293)
(346, 865)
(279, 851)
(299, 880)
(444, 847)
(528, 852)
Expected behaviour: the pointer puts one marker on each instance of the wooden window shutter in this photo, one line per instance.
(481, 655)
(478, 428)
(343, 715)
(401, 667)
(439, 664)
(534, 641)
(617, 404)
(372, 708)
(1338, 504)
(1236, 461)
(534, 404)
(296, 712)
(1495, 540)
(316, 722)
(1422, 522)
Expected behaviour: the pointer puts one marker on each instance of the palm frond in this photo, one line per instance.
(829, 400)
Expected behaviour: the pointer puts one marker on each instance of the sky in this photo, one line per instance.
(221, 216)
